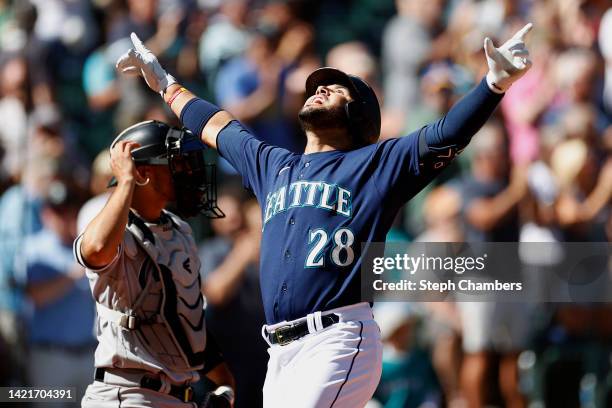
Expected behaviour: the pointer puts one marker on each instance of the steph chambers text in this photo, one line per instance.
(464, 285)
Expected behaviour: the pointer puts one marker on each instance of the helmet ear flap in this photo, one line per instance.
(354, 110)
(358, 120)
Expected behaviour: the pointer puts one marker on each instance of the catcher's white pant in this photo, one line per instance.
(122, 391)
(339, 366)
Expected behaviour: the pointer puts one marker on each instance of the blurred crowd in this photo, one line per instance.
(539, 171)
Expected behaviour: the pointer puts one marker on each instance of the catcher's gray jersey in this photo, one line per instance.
(149, 302)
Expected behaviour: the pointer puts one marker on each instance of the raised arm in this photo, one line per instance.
(201, 117)
(412, 162)
(217, 128)
(506, 65)
(101, 239)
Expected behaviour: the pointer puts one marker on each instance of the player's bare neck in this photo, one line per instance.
(147, 207)
(148, 214)
(326, 141)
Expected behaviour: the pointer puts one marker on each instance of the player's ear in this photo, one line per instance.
(143, 175)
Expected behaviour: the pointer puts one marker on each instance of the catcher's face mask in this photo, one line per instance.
(194, 181)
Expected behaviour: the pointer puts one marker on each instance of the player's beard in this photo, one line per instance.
(319, 117)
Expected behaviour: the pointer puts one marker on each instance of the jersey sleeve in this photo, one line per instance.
(398, 167)
(252, 158)
(409, 163)
(76, 248)
(442, 140)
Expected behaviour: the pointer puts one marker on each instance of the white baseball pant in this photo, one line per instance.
(122, 391)
(338, 366)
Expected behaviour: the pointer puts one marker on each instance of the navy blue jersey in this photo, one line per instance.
(319, 208)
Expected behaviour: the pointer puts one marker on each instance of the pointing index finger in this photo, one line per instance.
(138, 44)
(523, 31)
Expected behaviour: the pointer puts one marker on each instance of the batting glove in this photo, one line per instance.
(141, 61)
(508, 62)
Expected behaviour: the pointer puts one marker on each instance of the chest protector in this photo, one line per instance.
(166, 318)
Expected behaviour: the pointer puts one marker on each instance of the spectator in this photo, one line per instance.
(489, 200)
(70, 22)
(354, 58)
(140, 18)
(440, 88)
(98, 187)
(408, 379)
(524, 105)
(250, 87)
(416, 20)
(161, 32)
(61, 102)
(36, 52)
(577, 75)
(61, 326)
(230, 267)
(441, 213)
(605, 45)
(490, 211)
(14, 106)
(226, 37)
(583, 205)
(296, 49)
(20, 217)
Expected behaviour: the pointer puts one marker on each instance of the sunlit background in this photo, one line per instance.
(539, 171)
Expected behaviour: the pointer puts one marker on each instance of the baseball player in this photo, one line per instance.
(320, 206)
(143, 269)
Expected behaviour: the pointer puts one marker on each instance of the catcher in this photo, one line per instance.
(143, 269)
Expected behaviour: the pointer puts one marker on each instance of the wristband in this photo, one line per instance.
(196, 114)
(175, 94)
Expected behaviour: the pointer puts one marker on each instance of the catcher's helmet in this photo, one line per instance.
(363, 111)
(194, 181)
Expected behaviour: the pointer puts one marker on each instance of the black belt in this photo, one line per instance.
(182, 392)
(286, 334)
